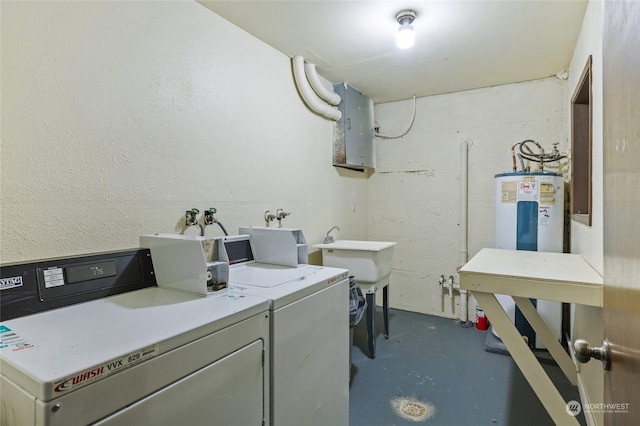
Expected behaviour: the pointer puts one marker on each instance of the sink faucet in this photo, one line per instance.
(329, 238)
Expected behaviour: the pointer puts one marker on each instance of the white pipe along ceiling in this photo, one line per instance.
(326, 94)
(313, 93)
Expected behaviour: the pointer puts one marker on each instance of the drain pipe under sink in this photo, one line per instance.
(464, 220)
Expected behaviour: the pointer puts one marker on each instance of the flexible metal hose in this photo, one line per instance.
(527, 153)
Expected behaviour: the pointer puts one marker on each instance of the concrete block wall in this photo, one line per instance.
(415, 192)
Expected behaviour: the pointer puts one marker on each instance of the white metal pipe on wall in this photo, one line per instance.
(464, 220)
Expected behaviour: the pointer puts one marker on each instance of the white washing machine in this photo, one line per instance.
(309, 335)
(151, 356)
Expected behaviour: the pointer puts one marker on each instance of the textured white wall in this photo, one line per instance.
(588, 240)
(414, 195)
(119, 116)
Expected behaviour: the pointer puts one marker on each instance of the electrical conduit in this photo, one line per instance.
(308, 95)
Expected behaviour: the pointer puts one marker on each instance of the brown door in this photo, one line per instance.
(621, 97)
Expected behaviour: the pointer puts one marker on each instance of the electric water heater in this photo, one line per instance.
(529, 215)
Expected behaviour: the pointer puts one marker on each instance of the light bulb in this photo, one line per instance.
(405, 36)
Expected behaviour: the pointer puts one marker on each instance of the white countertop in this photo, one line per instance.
(563, 277)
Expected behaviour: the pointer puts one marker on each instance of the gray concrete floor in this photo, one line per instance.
(434, 363)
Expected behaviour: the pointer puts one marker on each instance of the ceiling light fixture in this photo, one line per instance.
(405, 36)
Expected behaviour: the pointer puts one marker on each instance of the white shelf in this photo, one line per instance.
(563, 277)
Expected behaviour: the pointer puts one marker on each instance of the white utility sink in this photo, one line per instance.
(368, 261)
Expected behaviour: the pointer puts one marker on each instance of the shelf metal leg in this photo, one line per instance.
(385, 310)
(371, 323)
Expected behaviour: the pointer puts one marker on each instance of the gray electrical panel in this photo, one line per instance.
(353, 146)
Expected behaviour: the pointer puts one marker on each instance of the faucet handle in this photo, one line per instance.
(208, 216)
(191, 217)
(268, 217)
(281, 214)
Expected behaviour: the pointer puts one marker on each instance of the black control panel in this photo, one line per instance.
(239, 250)
(41, 285)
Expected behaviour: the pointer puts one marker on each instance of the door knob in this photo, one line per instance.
(584, 352)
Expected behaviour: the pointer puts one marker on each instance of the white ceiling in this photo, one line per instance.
(460, 45)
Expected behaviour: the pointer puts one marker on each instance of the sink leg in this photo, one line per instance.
(385, 310)
(371, 323)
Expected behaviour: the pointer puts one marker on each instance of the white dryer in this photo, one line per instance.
(151, 356)
(309, 335)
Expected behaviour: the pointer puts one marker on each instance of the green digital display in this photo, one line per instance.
(92, 271)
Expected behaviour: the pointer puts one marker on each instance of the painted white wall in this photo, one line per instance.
(119, 116)
(588, 240)
(414, 194)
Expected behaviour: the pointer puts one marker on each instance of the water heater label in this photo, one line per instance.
(527, 190)
(547, 193)
(544, 216)
(509, 191)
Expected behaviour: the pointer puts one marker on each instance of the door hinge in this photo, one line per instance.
(263, 357)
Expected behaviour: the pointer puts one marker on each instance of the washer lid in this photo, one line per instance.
(57, 351)
(267, 275)
(283, 285)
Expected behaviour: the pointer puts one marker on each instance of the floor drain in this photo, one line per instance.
(411, 409)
